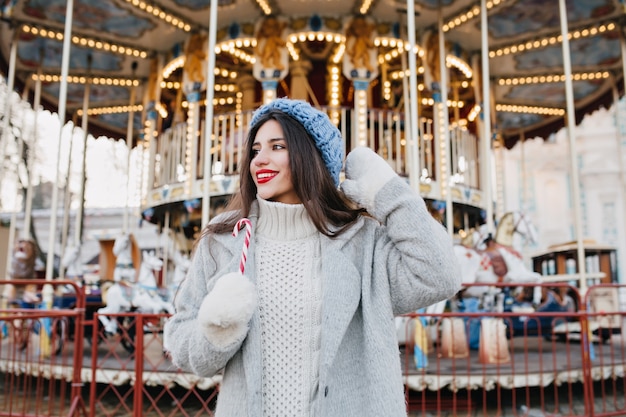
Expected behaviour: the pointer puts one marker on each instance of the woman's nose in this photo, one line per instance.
(260, 158)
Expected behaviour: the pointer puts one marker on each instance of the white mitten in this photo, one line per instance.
(366, 173)
(225, 311)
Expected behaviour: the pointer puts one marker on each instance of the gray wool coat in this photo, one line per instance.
(397, 262)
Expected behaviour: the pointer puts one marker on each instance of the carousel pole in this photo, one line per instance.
(142, 163)
(78, 229)
(498, 166)
(7, 105)
(525, 197)
(620, 160)
(193, 126)
(208, 115)
(413, 140)
(13, 220)
(166, 251)
(575, 192)
(152, 123)
(622, 42)
(524, 193)
(407, 121)
(65, 60)
(618, 116)
(485, 155)
(129, 146)
(444, 129)
(67, 199)
(571, 127)
(31, 153)
(360, 108)
(525, 205)
(269, 90)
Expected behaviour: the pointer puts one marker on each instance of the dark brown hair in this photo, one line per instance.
(313, 184)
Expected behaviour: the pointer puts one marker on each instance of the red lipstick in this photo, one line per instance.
(265, 175)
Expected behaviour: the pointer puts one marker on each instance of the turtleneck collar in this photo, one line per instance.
(283, 221)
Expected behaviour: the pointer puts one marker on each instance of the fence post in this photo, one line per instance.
(586, 341)
(138, 399)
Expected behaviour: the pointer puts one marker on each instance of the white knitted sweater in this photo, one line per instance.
(288, 268)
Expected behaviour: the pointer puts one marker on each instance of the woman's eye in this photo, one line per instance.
(279, 146)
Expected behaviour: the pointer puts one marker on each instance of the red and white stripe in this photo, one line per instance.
(246, 241)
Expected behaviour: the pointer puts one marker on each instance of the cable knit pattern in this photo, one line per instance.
(288, 268)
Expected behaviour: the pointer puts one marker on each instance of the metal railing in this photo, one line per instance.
(41, 353)
(457, 361)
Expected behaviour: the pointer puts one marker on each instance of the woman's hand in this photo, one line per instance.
(225, 311)
(366, 173)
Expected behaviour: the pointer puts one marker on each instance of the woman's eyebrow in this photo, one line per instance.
(269, 140)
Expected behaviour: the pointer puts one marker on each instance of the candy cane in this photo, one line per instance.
(246, 241)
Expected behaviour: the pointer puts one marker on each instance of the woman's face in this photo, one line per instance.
(269, 166)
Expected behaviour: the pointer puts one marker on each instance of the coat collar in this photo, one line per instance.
(340, 299)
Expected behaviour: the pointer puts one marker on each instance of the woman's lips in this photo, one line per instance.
(264, 176)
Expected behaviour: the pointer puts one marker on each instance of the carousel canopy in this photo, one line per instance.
(115, 43)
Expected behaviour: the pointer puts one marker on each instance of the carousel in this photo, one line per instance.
(145, 73)
(439, 88)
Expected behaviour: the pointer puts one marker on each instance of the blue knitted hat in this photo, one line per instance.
(326, 136)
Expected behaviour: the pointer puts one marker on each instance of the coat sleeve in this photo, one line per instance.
(184, 339)
(416, 250)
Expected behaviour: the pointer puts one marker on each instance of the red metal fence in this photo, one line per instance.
(458, 362)
(518, 363)
(134, 376)
(38, 368)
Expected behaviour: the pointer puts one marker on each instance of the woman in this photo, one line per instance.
(309, 329)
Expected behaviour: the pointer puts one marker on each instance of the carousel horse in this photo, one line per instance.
(124, 268)
(143, 296)
(146, 297)
(489, 260)
(23, 260)
(515, 223)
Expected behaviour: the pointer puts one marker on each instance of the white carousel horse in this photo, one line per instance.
(143, 296)
(478, 258)
(146, 296)
(124, 268)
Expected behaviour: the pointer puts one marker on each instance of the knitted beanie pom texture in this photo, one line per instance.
(326, 136)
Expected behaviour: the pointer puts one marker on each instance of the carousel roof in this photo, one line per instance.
(114, 41)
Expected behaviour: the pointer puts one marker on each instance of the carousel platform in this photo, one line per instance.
(533, 362)
(456, 384)
(446, 374)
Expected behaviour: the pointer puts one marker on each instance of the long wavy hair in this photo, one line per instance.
(325, 204)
